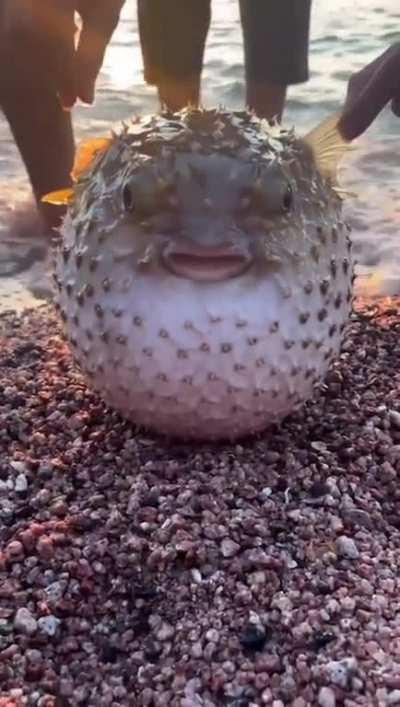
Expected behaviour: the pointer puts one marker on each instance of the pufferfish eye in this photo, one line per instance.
(272, 194)
(287, 200)
(128, 199)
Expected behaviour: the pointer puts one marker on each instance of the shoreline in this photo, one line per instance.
(140, 572)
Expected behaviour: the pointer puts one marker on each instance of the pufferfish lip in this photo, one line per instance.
(206, 264)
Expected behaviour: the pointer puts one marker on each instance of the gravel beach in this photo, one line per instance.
(140, 572)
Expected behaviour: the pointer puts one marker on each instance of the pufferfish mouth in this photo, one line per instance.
(206, 264)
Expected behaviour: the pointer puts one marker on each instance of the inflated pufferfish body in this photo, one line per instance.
(204, 275)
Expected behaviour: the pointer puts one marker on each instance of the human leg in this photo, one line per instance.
(173, 36)
(41, 129)
(275, 38)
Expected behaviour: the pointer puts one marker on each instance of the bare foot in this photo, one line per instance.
(23, 240)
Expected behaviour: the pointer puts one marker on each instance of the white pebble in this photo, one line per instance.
(25, 622)
(196, 575)
(393, 698)
(336, 524)
(21, 483)
(54, 591)
(212, 635)
(326, 697)
(165, 632)
(229, 548)
(348, 604)
(197, 649)
(266, 696)
(49, 624)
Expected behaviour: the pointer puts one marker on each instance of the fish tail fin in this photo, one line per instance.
(328, 146)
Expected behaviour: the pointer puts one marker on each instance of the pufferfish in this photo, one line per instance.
(204, 271)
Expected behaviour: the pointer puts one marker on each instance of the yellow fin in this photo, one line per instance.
(328, 146)
(86, 154)
(59, 198)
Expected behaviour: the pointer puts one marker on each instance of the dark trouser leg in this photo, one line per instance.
(173, 34)
(41, 129)
(275, 37)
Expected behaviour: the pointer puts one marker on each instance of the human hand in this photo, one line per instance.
(44, 31)
(370, 90)
(99, 20)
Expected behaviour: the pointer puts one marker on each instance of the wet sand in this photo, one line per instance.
(139, 572)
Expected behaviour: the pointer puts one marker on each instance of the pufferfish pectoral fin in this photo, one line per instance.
(87, 152)
(328, 146)
(85, 155)
(62, 197)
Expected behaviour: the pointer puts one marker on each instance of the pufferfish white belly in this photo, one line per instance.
(223, 361)
(205, 357)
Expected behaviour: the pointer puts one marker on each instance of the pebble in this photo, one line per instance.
(341, 671)
(25, 622)
(18, 466)
(15, 550)
(48, 624)
(212, 635)
(21, 483)
(45, 547)
(145, 598)
(394, 418)
(34, 655)
(326, 697)
(322, 639)
(358, 517)
(197, 649)
(54, 591)
(393, 698)
(288, 687)
(253, 637)
(346, 547)
(196, 575)
(5, 627)
(229, 548)
(165, 632)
